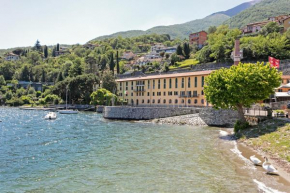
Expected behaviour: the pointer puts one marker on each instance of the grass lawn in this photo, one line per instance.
(184, 64)
(272, 136)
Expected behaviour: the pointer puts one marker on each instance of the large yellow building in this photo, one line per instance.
(179, 89)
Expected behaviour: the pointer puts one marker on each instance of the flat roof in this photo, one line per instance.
(282, 94)
(198, 73)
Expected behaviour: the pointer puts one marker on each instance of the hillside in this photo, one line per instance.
(234, 11)
(260, 12)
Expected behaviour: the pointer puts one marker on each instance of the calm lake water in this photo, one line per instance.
(85, 153)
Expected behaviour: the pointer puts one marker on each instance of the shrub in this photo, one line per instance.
(241, 126)
(51, 98)
(15, 102)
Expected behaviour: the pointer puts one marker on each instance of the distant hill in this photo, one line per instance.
(177, 30)
(260, 12)
(183, 30)
(234, 11)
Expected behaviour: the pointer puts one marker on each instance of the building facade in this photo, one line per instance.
(286, 24)
(181, 89)
(198, 38)
(11, 57)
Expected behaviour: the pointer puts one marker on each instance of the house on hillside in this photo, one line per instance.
(254, 27)
(198, 38)
(286, 23)
(279, 19)
(62, 51)
(90, 46)
(129, 55)
(11, 57)
(167, 50)
(157, 46)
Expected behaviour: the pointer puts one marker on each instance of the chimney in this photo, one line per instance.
(237, 53)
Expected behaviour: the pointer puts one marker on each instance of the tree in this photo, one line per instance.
(25, 73)
(98, 97)
(112, 63)
(186, 50)
(76, 69)
(57, 47)
(45, 51)
(59, 77)
(109, 82)
(53, 52)
(43, 77)
(2, 80)
(212, 29)
(118, 65)
(37, 46)
(179, 50)
(241, 86)
(271, 27)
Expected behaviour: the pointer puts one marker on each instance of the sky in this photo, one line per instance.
(78, 21)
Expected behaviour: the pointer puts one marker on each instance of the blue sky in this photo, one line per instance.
(78, 21)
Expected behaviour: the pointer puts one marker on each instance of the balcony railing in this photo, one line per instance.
(139, 90)
(188, 95)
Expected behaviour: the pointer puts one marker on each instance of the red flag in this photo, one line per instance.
(274, 63)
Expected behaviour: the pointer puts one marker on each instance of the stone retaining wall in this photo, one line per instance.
(221, 118)
(145, 113)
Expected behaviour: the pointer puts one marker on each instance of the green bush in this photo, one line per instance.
(15, 102)
(241, 126)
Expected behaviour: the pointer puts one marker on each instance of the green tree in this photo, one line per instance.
(186, 50)
(270, 27)
(112, 63)
(118, 65)
(45, 51)
(57, 47)
(25, 73)
(2, 80)
(43, 76)
(241, 86)
(59, 77)
(212, 29)
(37, 46)
(53, 52)
(179, 50)
(109, 82)
(76, 69)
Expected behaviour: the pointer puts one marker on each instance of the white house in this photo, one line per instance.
(11, 57)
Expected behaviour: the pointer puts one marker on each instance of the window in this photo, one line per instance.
(153, 101)
(182, 101)
(120, 85)
(153, 84)
(195, 101)
(182, 83)
(132, 85)
(164, 101)
(159, 84)
(164, 93)
(159, 101)
(189, 93)
(143, 101)
(202, 101)
(148, 93)
(175, 93)
(176, 83)
(280, 90)
(202, 81)
(158, 93)
(148, 84)
(153, 94)
(194, 94)
(126, 85)
(182, 93)
(202, 93)
(169, 93)
(164, 83)
(170, 83)
(176, 101)
(148, 101)
(189, 101)
(195, 82)
(170, 101)
(188, 84)
(132, 101)
(131, 94)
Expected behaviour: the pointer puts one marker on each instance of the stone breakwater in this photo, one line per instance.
(209, 116)
(192, 119)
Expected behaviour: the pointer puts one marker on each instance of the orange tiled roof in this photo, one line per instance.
(198, 73)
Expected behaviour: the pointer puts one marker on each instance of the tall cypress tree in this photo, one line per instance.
(45, 52)
(57, 47)
(53, 52)
(43, 76)
(186, 50)
(179, 50)
(112, 63)
(118, 67)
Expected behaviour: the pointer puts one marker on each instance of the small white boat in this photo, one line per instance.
(223, 133)
(50, 116)
(269, 168)
(255, 160)
(68, 112)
